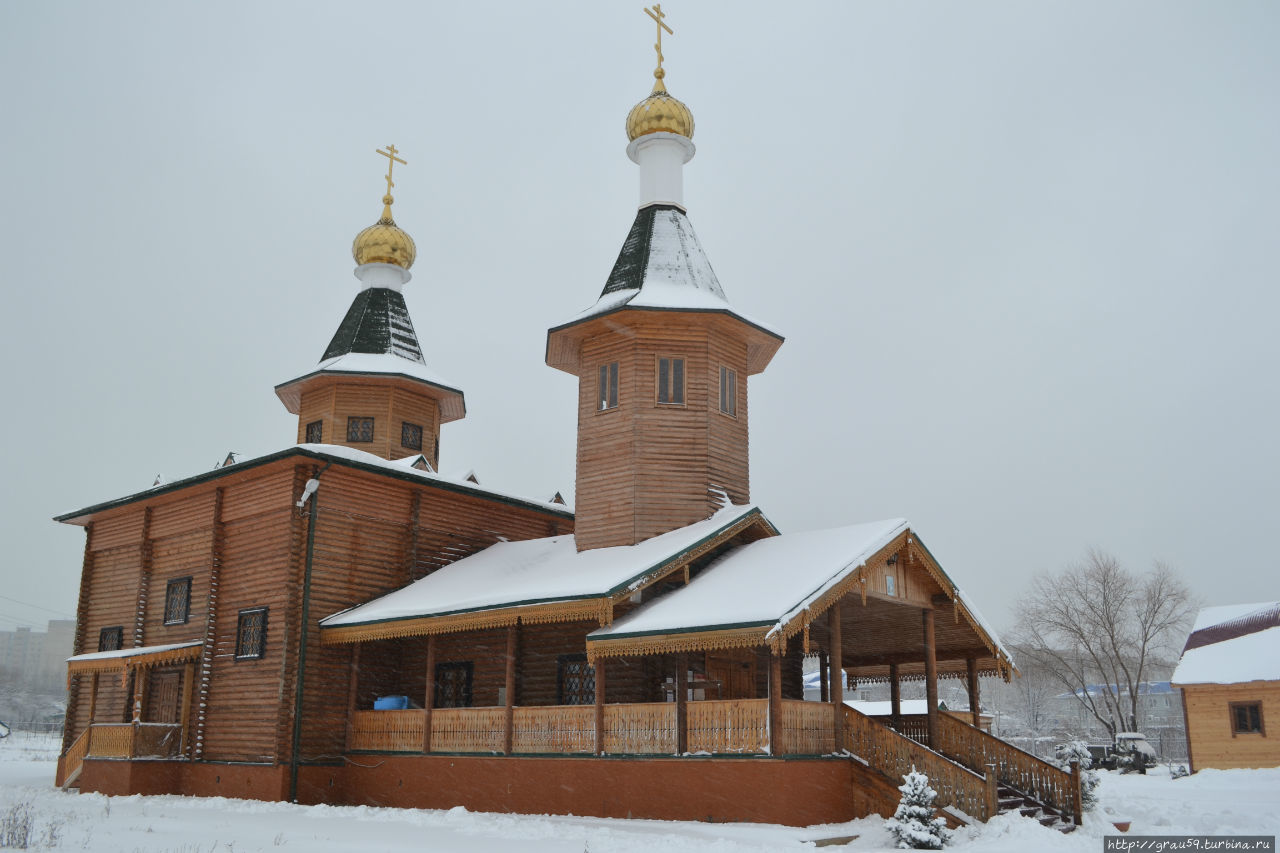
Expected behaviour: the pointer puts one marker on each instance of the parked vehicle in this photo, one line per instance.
(1129, 752)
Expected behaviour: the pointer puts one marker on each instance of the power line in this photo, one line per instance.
(61, 613)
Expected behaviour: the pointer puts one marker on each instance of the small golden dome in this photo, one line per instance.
(384, 242)
(659, 113)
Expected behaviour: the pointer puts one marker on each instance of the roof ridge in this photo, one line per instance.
(1267, 616)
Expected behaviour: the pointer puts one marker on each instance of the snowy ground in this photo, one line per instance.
(1211, 802)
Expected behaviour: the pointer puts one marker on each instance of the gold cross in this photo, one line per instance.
(657, 14)
(392, 159)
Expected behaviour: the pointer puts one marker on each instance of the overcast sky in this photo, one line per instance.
(1024, 254)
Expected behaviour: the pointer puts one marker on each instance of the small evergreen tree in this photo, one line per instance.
(914, 824)
(1075, 750)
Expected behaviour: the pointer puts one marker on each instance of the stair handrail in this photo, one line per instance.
(73, 759)
(1017, 768)
(894, 755)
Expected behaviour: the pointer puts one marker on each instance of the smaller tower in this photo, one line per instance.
(372, 389)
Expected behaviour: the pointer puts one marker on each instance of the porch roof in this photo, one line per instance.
(534, 580)
(139, 656)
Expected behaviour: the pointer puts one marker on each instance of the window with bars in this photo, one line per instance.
(671, 381)
(411, 435)
(1246, 718)
(576, 681)
(251, 634)
(729, 391)
(453, 684)
(608, 393)
(111, 639)
(315, 432)
(359, 429)
(177, 601)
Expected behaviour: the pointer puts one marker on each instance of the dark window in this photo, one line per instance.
(577, 681)
(315, 432)
(411, 435)
(251, 633)
(453, 685)
(1246, 718)
(177, 601)
(729, 391)
(608, 395)
(359, 429)
(671, 381)
(111, 639)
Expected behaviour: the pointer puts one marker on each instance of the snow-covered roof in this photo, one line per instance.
(1232, 644)
(535, 571)
(767, 582)
(135, 652)
(377, 364)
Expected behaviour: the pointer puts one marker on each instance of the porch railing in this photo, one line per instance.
(808, 728)
(387, 731)
(466, 729)
(642, 728)
(894, 755)
(730, 725)
(121, 740)
(553, 729)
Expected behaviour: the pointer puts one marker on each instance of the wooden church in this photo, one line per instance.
(337, 622)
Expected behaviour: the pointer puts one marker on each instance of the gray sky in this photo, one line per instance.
(1024, 254)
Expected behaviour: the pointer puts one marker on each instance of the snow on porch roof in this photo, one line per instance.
(125, 658)
(537, 571)
(1232, 644)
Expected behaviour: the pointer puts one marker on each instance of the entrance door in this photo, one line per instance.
(163, 694)
(735, 670)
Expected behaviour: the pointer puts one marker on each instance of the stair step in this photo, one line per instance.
(1064, 828)
(1029, 811)
(1011, 803)
(1048, 820)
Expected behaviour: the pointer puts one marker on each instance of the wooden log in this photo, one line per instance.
(775, 704)
(837, 670)
(510, 693)
(992, 795)
(600, 681)
(682, 704)
(931, 678)
(895, 697)
(93, 699)
(429, 699)
(1077, 796)
(824, 672)
(188, 682)
(353, 688)
(971, 667)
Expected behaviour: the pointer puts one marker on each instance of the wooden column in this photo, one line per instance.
(971, 670)
(930, 679)
(509, 716)
(992, 792)
(895, 698)
(837, 671)
(429, 699)
(184, 719)
(93, 698)
(824, 672)
(775, 704)
(139, 678)
(353, 688)
(1077, 795)
(682, 704)
(599, 667)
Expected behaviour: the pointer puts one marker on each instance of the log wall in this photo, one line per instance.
(389, 406)
(1209, 725)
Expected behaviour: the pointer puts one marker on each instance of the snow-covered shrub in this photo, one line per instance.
(1075, 750)
(15, 827)
(914, 824)
(1177, 771)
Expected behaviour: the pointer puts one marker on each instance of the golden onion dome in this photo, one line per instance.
(384, 242)
(659, 113)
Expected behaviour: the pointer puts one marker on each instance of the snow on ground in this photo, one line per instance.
(1211, 802)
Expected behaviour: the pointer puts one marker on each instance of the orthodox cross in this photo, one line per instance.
(392, 159)
(657, 14)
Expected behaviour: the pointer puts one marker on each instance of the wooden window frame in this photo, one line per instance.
(731, 399)
(890, 584)
(684, 381)
(113, 630)
(562, 663)
(406, 432)
(1232, 707)
(468, 691)
(355, 425)
(608, 387)
(261, 651)
(186, 601)
(316, 427)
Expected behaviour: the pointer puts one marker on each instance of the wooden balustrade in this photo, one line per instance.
(730, 725)
(895, 755)
(467, 730)
(808, 728)
(1022, 770)
(642, 728)
(111, 740)
(554, 729)
(914, 726)
(387, 731)
(70, 764)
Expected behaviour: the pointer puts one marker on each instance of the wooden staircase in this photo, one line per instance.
(1011, 799)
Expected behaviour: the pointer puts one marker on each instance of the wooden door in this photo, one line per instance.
(735, 671)
(163, 695)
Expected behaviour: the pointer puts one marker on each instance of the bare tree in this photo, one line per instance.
(1097, 625)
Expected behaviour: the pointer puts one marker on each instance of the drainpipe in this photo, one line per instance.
(308, 493)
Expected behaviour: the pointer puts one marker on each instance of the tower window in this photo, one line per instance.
(608, 395)
(1246, 718)
(177, 601)
(411, 435)
(359, 429)
(671, 381)
(729, 391)
(315, 432)
(111, 639)
(576, 680)
(251, 634)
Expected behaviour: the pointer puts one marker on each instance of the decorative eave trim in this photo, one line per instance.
(575, 610)
(738, 637)
(143, 660)
(451, 398)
